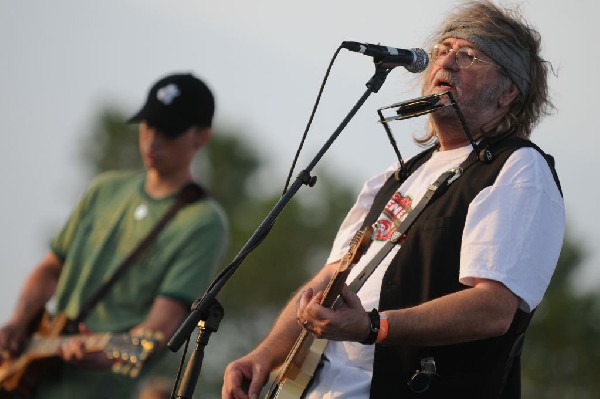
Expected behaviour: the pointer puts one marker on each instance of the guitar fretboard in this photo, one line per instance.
(49, 345)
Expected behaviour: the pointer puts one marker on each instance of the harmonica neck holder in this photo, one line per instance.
(417, 107)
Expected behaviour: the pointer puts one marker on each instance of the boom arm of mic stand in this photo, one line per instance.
(202, 306)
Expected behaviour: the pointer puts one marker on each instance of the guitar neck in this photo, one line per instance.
(337, 281)
(334, 288)
(49, 346)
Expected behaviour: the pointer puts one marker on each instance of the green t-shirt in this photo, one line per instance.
(114, 215)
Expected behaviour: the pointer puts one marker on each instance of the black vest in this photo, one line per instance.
(427, 267)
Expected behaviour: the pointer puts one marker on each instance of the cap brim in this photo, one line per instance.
(171, 125)
(168, 129)
(137, 117)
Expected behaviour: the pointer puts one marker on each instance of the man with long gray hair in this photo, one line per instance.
(466, 237)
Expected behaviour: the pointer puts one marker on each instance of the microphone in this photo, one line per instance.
(414, 60)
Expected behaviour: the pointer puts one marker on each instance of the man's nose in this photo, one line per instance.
(449, 61)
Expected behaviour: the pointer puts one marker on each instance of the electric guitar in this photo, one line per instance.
(301, 363)
(19, 375)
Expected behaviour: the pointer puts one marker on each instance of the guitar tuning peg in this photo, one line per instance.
(148, 345)
(145, 333)
(129, 352)
(116, 367)
(125, 369)
(135, 340)
(135, 371)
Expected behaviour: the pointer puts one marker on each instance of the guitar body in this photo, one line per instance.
(292, 382)
(18, 376)
(21, 383)
(300, 366)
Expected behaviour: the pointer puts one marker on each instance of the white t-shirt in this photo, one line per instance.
(513, 234)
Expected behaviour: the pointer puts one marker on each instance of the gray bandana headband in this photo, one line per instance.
(515, 60)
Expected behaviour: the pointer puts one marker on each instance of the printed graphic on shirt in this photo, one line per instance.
(395, 211)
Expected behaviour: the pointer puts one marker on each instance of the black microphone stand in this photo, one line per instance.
(207, 312)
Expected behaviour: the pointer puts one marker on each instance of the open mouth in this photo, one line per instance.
(444, 81)
(443, 84)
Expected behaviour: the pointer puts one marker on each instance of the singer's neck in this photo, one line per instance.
(451, 135)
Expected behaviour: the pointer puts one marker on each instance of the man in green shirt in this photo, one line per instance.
(115, 214)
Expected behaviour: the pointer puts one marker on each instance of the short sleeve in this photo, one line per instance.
(514, 229)
(62, 241)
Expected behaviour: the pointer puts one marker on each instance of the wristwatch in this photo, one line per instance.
(373, 328)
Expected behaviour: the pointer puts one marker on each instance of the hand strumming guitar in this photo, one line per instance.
(12, 340)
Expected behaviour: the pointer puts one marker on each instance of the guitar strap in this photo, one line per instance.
(435, 189)
(189, 193)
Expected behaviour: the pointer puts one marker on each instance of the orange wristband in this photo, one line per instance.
(383, 328)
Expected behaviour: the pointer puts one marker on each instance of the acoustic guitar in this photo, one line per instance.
(18, 376)
(301, 363)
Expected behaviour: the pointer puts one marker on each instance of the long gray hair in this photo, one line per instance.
(513, 44)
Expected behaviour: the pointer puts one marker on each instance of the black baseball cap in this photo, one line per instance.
(177, 102)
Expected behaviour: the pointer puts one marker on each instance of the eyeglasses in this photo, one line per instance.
(464, 56)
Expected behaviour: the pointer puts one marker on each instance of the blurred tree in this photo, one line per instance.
(112, 144)
(561, 356)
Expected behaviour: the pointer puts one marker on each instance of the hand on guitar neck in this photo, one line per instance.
(77, 349)
(339, 324)
(77, 352)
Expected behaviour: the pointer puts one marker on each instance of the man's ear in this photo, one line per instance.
(507, 98)
(203, 134)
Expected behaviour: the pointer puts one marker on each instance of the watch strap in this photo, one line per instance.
(373, 328)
